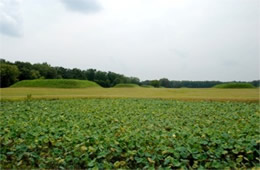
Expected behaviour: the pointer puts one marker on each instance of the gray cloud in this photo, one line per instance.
(10, 18)
(85, 6)
(149, 39)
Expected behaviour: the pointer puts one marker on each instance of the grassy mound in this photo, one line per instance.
(56, 83)
(147, 86)
(234, 85)
(126, 86)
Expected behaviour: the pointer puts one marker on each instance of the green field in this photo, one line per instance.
(129, 128)
(128, 134)
(251, 95)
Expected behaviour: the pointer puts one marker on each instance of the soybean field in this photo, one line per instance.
(128, 134)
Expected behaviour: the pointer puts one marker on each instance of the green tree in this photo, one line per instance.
(256, 83)
(9, 74)
(155, 83)
(164, 82)
(26, 71)
(78, 74)
(112, 78)
(101, 78)
(90, 74)
(46, 70)
(134, 80)
(34, 74)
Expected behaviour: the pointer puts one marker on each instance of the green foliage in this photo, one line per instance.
(56, 83)
(256, 83)
(126, 85)
(128, 134)
(9, 74)
(133, 80)
(27, 72)
(155, 83)
(234, 85)
(164, 82)
(46, 70)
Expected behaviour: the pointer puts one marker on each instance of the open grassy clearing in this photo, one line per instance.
(180, 94)
(128, 134)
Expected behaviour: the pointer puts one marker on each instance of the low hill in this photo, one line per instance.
(126, 86)
(147, 86)
(56, 83)
(234, 85)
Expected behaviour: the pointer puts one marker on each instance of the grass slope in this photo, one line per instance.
(234, 85)
(147, 86)
(56, 83)
(126, 86)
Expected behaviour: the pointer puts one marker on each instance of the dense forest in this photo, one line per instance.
(17, 71)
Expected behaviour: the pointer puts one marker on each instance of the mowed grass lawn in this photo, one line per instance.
(251, 95)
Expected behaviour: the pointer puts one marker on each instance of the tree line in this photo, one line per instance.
(17, 71)
(12, 72)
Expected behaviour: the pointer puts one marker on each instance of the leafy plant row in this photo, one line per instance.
(128, 133)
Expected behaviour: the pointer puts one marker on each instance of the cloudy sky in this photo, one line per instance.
(149, 39)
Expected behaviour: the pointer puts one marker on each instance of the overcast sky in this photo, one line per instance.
(149, 39)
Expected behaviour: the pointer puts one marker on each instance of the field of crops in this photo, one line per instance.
(128, 133)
